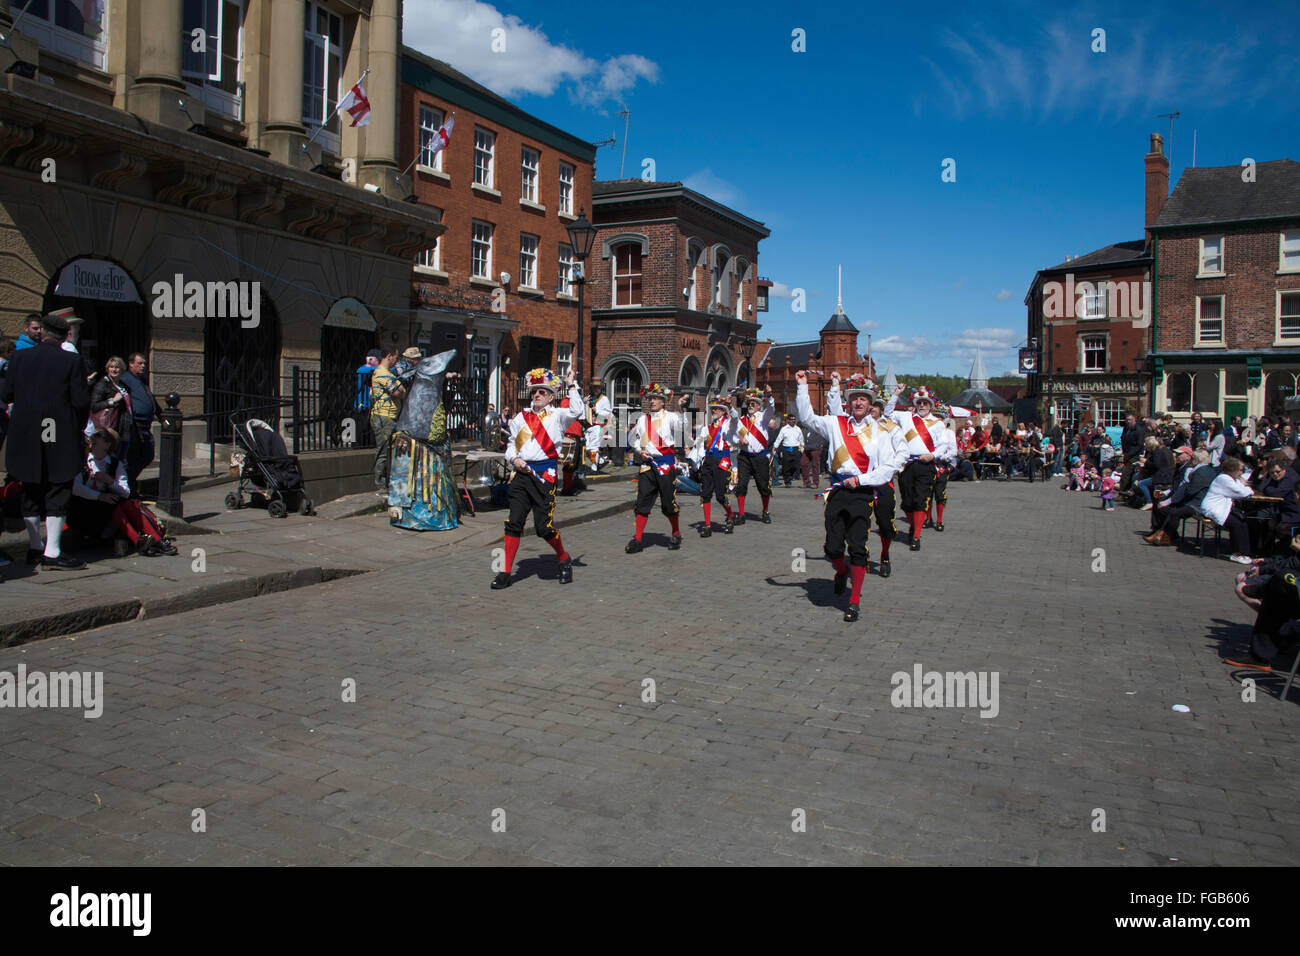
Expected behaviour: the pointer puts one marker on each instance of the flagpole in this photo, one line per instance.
(333, 114)
(402, 175)
(6, 39)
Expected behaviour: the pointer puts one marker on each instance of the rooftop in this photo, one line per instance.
(1217, 194)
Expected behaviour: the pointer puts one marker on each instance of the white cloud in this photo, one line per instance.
(715, 187)
(780, 290)
(460, 32)
(1003, 295)
(987, 339)
(898, 348)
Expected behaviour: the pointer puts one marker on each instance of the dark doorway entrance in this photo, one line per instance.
(110, 328)
(241, 369)
(342, 352)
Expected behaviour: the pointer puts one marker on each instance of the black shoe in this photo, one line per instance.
(34, 556)
(63, 563)
(502, 580)
(767, 518)
(938, 526)
(740, 519)
(706, 531)
(915, 545)
(841, 582)
(884, 567)
(929, 523)
(634, 547)
(851, 614)
(728, 527)
(675, 542)
(565, 575)
(146, 546)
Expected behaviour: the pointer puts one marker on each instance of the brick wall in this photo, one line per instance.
(1124, 341)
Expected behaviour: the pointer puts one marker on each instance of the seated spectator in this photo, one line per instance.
(1217, 506)
(1268, 587)
(101, 502)
(1185, 499)
(1157, 470)
(1078, 475)
(1275, 479)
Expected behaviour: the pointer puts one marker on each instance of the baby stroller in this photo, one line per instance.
(269, 470)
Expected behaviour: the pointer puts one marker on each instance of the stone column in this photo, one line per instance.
(156, 89)
(379, 154)
(284, 133)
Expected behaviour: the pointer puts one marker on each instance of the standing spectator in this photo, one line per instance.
(996, 432)
(46, 449)
(1056, 435)
(1131, 441)
(1272, 440)
(812, 458)
(385, 394)
(1216, 442)
(144, 409)
(789, 442)
(1196, 429)
(367, 368)
(110, 404)
(31, 332)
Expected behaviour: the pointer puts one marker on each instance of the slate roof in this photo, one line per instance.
(1107, 255)
(980, 398)
(800, 353)
(1216, 194)
(839, 322)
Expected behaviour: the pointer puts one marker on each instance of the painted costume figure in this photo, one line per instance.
(422, 494)
(533, 449)
(654, 441)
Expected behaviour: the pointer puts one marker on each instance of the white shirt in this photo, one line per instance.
(555, 420)
(763, 422)
(101, 466)
(789, 437)
(1218, 499)
(882, 440)
(602, 410)
(667, 425)
(945, 443)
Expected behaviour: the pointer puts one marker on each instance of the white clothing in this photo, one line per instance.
(1218, 499)
(882, 441)
(556, 421)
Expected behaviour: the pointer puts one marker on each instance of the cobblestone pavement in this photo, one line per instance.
(525, 708)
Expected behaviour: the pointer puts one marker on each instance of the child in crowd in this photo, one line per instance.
(1108, 484)
(1091, 480)
(1076, 475)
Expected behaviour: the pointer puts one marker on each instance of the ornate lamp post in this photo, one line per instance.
(582, 235)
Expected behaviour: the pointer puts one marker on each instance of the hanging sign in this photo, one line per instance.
(96, 279)
(350, 314)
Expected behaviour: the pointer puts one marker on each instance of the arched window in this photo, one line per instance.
(695, 253)
(627, 274)
(721, 279)
(1205, 392)
(691, 375)
(742, 273)
(625, 385)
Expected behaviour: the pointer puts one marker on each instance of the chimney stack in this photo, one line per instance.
(1157, 166)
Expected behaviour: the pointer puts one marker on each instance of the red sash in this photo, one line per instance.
(753, 430)
(713, 432)
(854, 445)
(539, 434)
(652, 437)
(924, 432)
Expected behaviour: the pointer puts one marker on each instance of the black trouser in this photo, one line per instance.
(848, 521)
(528, 493)
(790, 464)
(48, 500)
(1170, 518)
(885, 507)
(714, 480)
(651, 485)
(1238, 533)
(759, 467)
(916, 485)
(941, 486)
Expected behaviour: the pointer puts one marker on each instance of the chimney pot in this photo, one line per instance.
(1157, 181)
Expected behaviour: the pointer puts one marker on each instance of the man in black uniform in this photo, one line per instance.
(46, 447)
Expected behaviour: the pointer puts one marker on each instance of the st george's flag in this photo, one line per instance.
(439, 140)
(357, 105)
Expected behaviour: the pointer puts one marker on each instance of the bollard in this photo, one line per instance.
(169, 459)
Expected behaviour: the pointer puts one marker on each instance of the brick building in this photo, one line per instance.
(834, 350)
(1088, 318)
(506, 186)
(1226, 332)
(674, 290)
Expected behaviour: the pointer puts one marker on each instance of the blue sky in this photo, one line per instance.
(839, 149)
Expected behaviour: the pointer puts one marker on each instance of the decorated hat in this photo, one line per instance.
(754, 395)
(543, 378)
(859, 384)
(720, 401)
(413, 354)
(655, 390)
(923, 394)
(597, 383)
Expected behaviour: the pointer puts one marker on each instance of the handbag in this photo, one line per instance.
(108, 418)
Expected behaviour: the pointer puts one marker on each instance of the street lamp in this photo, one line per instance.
(747, 350)
(582, 235)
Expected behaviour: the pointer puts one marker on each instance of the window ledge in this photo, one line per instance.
(529, 204)
(1280, 272)
(1210, 345)
(430, 171)
(485, 190)
(565, 297)
(529, 290)
(480, 281)
(1287, 343)
(429, 271)
(568, 216)
(1211, 275)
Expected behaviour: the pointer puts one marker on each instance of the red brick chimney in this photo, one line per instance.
(1157, 180)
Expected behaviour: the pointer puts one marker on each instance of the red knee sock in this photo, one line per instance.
(918, 519)
(856, 574)
(512, 548)
(568, 480)
(640, 525)
(123, 524)
(766, 499)
(884, 547)
(558, 548)
(911, 523)
(740, 504)
(839, 566)
(939, 509)
(726, 506)
(929, 513)
(708, 512)
(672, 520)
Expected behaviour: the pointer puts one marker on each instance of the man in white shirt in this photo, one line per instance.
(928, 441)
(942, 465)
(654, 439)
(535, 435)
(713, 444)
(599, 411)
(864, 455)
(789, 442)
(754, 430)
(884, 503)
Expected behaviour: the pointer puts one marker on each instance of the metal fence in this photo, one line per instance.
(325, 413)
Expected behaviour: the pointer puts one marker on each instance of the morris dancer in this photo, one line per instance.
(713, 442)
(864, 455)
(942, 466)
(654, 440)
(753, 441)
(535, 434)
(884, 498)
(599, 412)
(928, 439)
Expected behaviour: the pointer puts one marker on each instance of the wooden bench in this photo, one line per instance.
(1201, 523)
